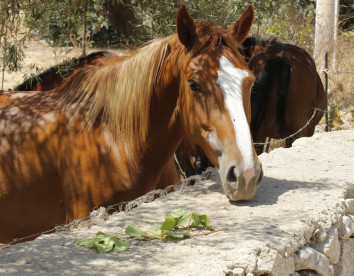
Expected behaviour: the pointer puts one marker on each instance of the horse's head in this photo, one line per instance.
(215, 101)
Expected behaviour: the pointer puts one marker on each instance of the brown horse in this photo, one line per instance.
(109, 132)
(288, 93)
(56, 75)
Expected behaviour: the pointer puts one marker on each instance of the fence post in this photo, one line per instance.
(326, 85)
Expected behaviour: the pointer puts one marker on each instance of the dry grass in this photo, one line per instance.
(341, 80)
(39, 57)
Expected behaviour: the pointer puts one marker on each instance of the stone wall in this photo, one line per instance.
(327, 254)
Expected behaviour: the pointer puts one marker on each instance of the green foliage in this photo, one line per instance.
(13, 56)
(104, 243)
(178, 224)
(63, 22)
(289, 20)
(12, 38)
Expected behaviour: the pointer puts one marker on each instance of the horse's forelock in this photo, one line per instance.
(212, 36)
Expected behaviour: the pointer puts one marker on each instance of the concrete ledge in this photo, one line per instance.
(299, 223)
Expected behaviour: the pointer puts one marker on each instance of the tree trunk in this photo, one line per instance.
(3, 30)
(85, 28)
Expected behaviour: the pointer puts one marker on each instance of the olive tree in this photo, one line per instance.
(12, 37)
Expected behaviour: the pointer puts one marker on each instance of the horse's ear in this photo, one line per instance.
(186, 28)
(241, 28)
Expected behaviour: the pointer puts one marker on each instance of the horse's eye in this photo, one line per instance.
(194, 86)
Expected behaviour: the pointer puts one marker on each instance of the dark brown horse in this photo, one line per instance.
(55, 75)
(287, 99)
(109, 132)
(288, 94)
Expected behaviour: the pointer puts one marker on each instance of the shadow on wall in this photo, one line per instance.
(271, 189)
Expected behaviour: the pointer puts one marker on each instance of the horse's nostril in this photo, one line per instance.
(231, 175)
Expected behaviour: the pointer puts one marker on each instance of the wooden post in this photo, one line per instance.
(325, 30)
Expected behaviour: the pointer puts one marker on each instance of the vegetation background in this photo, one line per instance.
(37, 34)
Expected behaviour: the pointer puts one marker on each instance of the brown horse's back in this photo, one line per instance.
(52, 171)
(29, 202)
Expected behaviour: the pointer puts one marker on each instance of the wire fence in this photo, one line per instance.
(292, 135)
(102, 213)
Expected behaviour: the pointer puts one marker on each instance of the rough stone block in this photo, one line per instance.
(330, 247)
(311, 259)
(346, 265)
(350, 205)
(271, 262)
(346, 227)
(236, 272)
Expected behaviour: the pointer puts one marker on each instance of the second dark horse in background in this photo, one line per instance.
(288, 93)
(54, 76)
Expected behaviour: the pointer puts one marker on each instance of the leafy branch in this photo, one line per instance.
(178, 224)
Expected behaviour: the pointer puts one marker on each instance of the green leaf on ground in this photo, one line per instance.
(188, 218)
(168, 224)
(104, 243)
(177, 213)
(178, 234)
(135, 232)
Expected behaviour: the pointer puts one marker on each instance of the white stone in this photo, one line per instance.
(330, 247)
(309, 258)
(346, 265)
(238, 272)
(350, 205)
(346, 227)
(271, 262)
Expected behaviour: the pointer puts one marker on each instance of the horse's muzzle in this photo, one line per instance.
(244, 184)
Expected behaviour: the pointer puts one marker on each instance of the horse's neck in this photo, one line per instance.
(165, 133)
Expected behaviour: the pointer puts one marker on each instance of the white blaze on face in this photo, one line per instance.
(215, 142)
(230, 80)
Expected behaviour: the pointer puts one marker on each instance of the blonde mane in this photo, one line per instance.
(118, 93)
